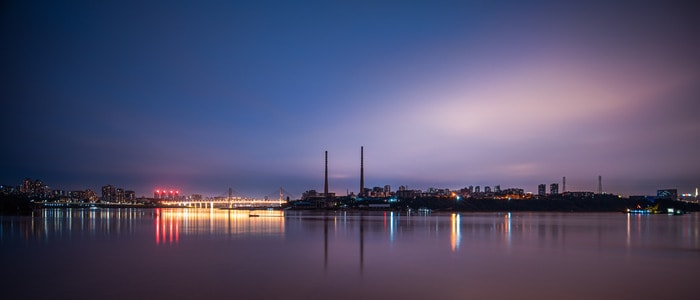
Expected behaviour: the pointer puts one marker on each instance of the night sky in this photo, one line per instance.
(249, 95)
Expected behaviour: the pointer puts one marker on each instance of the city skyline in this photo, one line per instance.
(205, 96)
(552, 188)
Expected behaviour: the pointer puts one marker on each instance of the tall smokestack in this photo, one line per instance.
(362, 171)
(325, 185)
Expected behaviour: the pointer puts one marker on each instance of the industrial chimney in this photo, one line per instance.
(325, 185)
(362, 171)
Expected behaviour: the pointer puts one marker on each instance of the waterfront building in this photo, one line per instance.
(90, 195)
(541, 190)
(109, 193)
(35, 189)
(317, 199)
(407, 194)
(513, 193)
(119, 195)
(77, 195)
(130, 196)
(554, 189)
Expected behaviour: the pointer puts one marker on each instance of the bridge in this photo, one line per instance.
(233, 202)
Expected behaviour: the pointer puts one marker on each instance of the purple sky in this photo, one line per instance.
(248, 95)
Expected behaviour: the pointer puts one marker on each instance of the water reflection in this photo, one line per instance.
(362, 244)
(176, 225)
(507, 224)
(456, 236)
(186, 253)
(48, 225)
(171, 223)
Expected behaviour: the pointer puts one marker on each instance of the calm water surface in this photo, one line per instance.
(220, 254)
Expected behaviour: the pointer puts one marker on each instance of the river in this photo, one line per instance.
(227, 254)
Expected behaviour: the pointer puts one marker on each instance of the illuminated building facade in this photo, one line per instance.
(671, 194)
(109, 193)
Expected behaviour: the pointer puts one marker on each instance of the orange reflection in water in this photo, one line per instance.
(456, 235)
(172, 222)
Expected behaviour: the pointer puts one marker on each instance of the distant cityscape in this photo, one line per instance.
(37, 190)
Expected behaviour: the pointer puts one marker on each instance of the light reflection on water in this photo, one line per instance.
(317, 255)
(171, 223)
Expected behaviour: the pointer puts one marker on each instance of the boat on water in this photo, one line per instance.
(654, 210)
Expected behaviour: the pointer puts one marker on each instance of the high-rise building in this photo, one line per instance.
(27, 186)
(563, 184)
(541, 189)
(487, 189)
(554, 188)
(35, 188)
(119, 195)
(109, 193)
